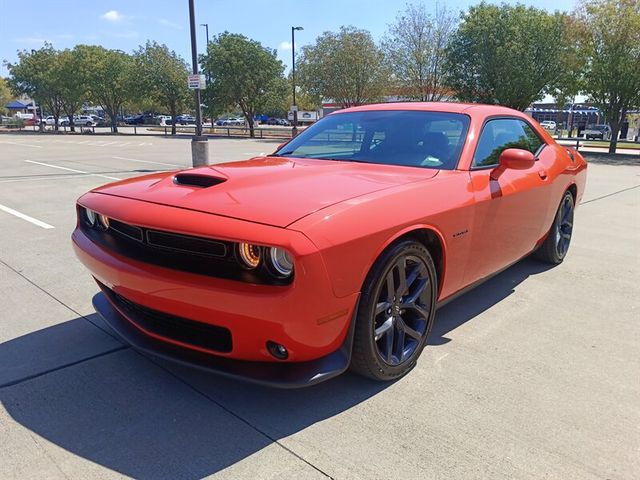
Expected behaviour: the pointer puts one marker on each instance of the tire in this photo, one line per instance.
(387, 344)
(556, 245)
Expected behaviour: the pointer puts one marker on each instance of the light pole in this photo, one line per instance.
(294, 107)
(206, 26)
(199, 145)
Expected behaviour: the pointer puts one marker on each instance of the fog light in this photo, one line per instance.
(278, 351)
(250, 254)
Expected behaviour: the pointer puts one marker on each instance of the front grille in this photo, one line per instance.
(190, 332)
(185, 243)
(187, 253)
(131, 231)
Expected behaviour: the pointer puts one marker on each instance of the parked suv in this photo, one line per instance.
(602, 132)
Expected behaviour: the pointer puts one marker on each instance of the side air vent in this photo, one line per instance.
(193, 180)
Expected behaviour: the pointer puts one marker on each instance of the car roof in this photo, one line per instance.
(452, 107)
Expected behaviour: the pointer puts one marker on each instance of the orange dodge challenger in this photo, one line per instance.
(333, 252)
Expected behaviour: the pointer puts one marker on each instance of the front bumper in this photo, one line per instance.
(304, 316)
(281, 375)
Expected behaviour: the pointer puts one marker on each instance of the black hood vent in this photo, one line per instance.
(196, 180)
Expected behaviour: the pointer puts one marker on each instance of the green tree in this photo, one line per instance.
(110, 79)
(242, 73)
(5, 94)
(162, 76)
(69, 74)
(507, 55)
(34, 76)
(612, 50)
(346, 66)
(415, 49)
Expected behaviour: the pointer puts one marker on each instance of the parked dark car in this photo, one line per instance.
(601, 132)
(277, 121)
(185, 120)
(142, 119)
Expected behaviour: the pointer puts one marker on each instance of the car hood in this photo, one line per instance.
(270, 190)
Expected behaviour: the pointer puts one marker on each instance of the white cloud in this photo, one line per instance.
(112, 16)
(284, 46)
(167, 23)
(29, 40)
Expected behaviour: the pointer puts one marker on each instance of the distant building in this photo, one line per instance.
(578, 115)
(19, 106)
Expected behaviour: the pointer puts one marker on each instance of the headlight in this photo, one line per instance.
(250, 254)
(90, 216)
(103, 222)
(281, 262)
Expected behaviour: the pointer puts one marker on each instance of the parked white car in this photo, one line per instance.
(548, 125)
(79, 121)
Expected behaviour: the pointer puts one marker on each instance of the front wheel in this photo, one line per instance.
(395, 312)
(556, 245)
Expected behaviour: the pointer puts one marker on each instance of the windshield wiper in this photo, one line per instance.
(281, 154)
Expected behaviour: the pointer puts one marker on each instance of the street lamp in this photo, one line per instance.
(206, 26)
(294, 107)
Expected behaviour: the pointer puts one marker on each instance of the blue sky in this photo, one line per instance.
(126, 24)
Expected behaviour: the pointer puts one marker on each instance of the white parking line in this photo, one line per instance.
(62, 176)
(148, 161)
(20, 144)
(73, 170)
(25, 217)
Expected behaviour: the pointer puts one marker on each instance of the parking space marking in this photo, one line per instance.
(73, 170)
(20, 144)
(29, 219)
(148, 161)
(51, 177)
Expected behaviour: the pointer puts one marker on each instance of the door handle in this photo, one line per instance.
(542, 174)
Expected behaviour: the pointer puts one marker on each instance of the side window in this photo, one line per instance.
(503, 133)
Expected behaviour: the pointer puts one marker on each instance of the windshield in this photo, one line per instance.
(391, 137)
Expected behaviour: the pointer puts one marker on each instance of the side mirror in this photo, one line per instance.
(516, 158)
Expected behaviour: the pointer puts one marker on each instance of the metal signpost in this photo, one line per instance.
(199, 144)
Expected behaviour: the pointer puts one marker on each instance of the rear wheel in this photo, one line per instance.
(556, 245)
(396, 312)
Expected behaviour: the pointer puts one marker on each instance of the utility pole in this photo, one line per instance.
(294, 107)
(199, 143)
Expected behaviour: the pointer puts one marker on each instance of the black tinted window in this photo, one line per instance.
(392, 137)
(500, 134)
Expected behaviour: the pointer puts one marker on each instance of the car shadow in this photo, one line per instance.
(145, 418)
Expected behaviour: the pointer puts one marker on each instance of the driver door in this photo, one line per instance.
(511, 205)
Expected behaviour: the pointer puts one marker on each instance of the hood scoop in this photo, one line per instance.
(197, 180)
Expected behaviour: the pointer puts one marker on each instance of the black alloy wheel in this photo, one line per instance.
(396, 312)
(555, 247)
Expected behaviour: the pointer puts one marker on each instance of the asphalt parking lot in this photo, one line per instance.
(535, 374)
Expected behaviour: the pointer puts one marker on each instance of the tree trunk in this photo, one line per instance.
(174, 114)
(252, 132)
(615, 130)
